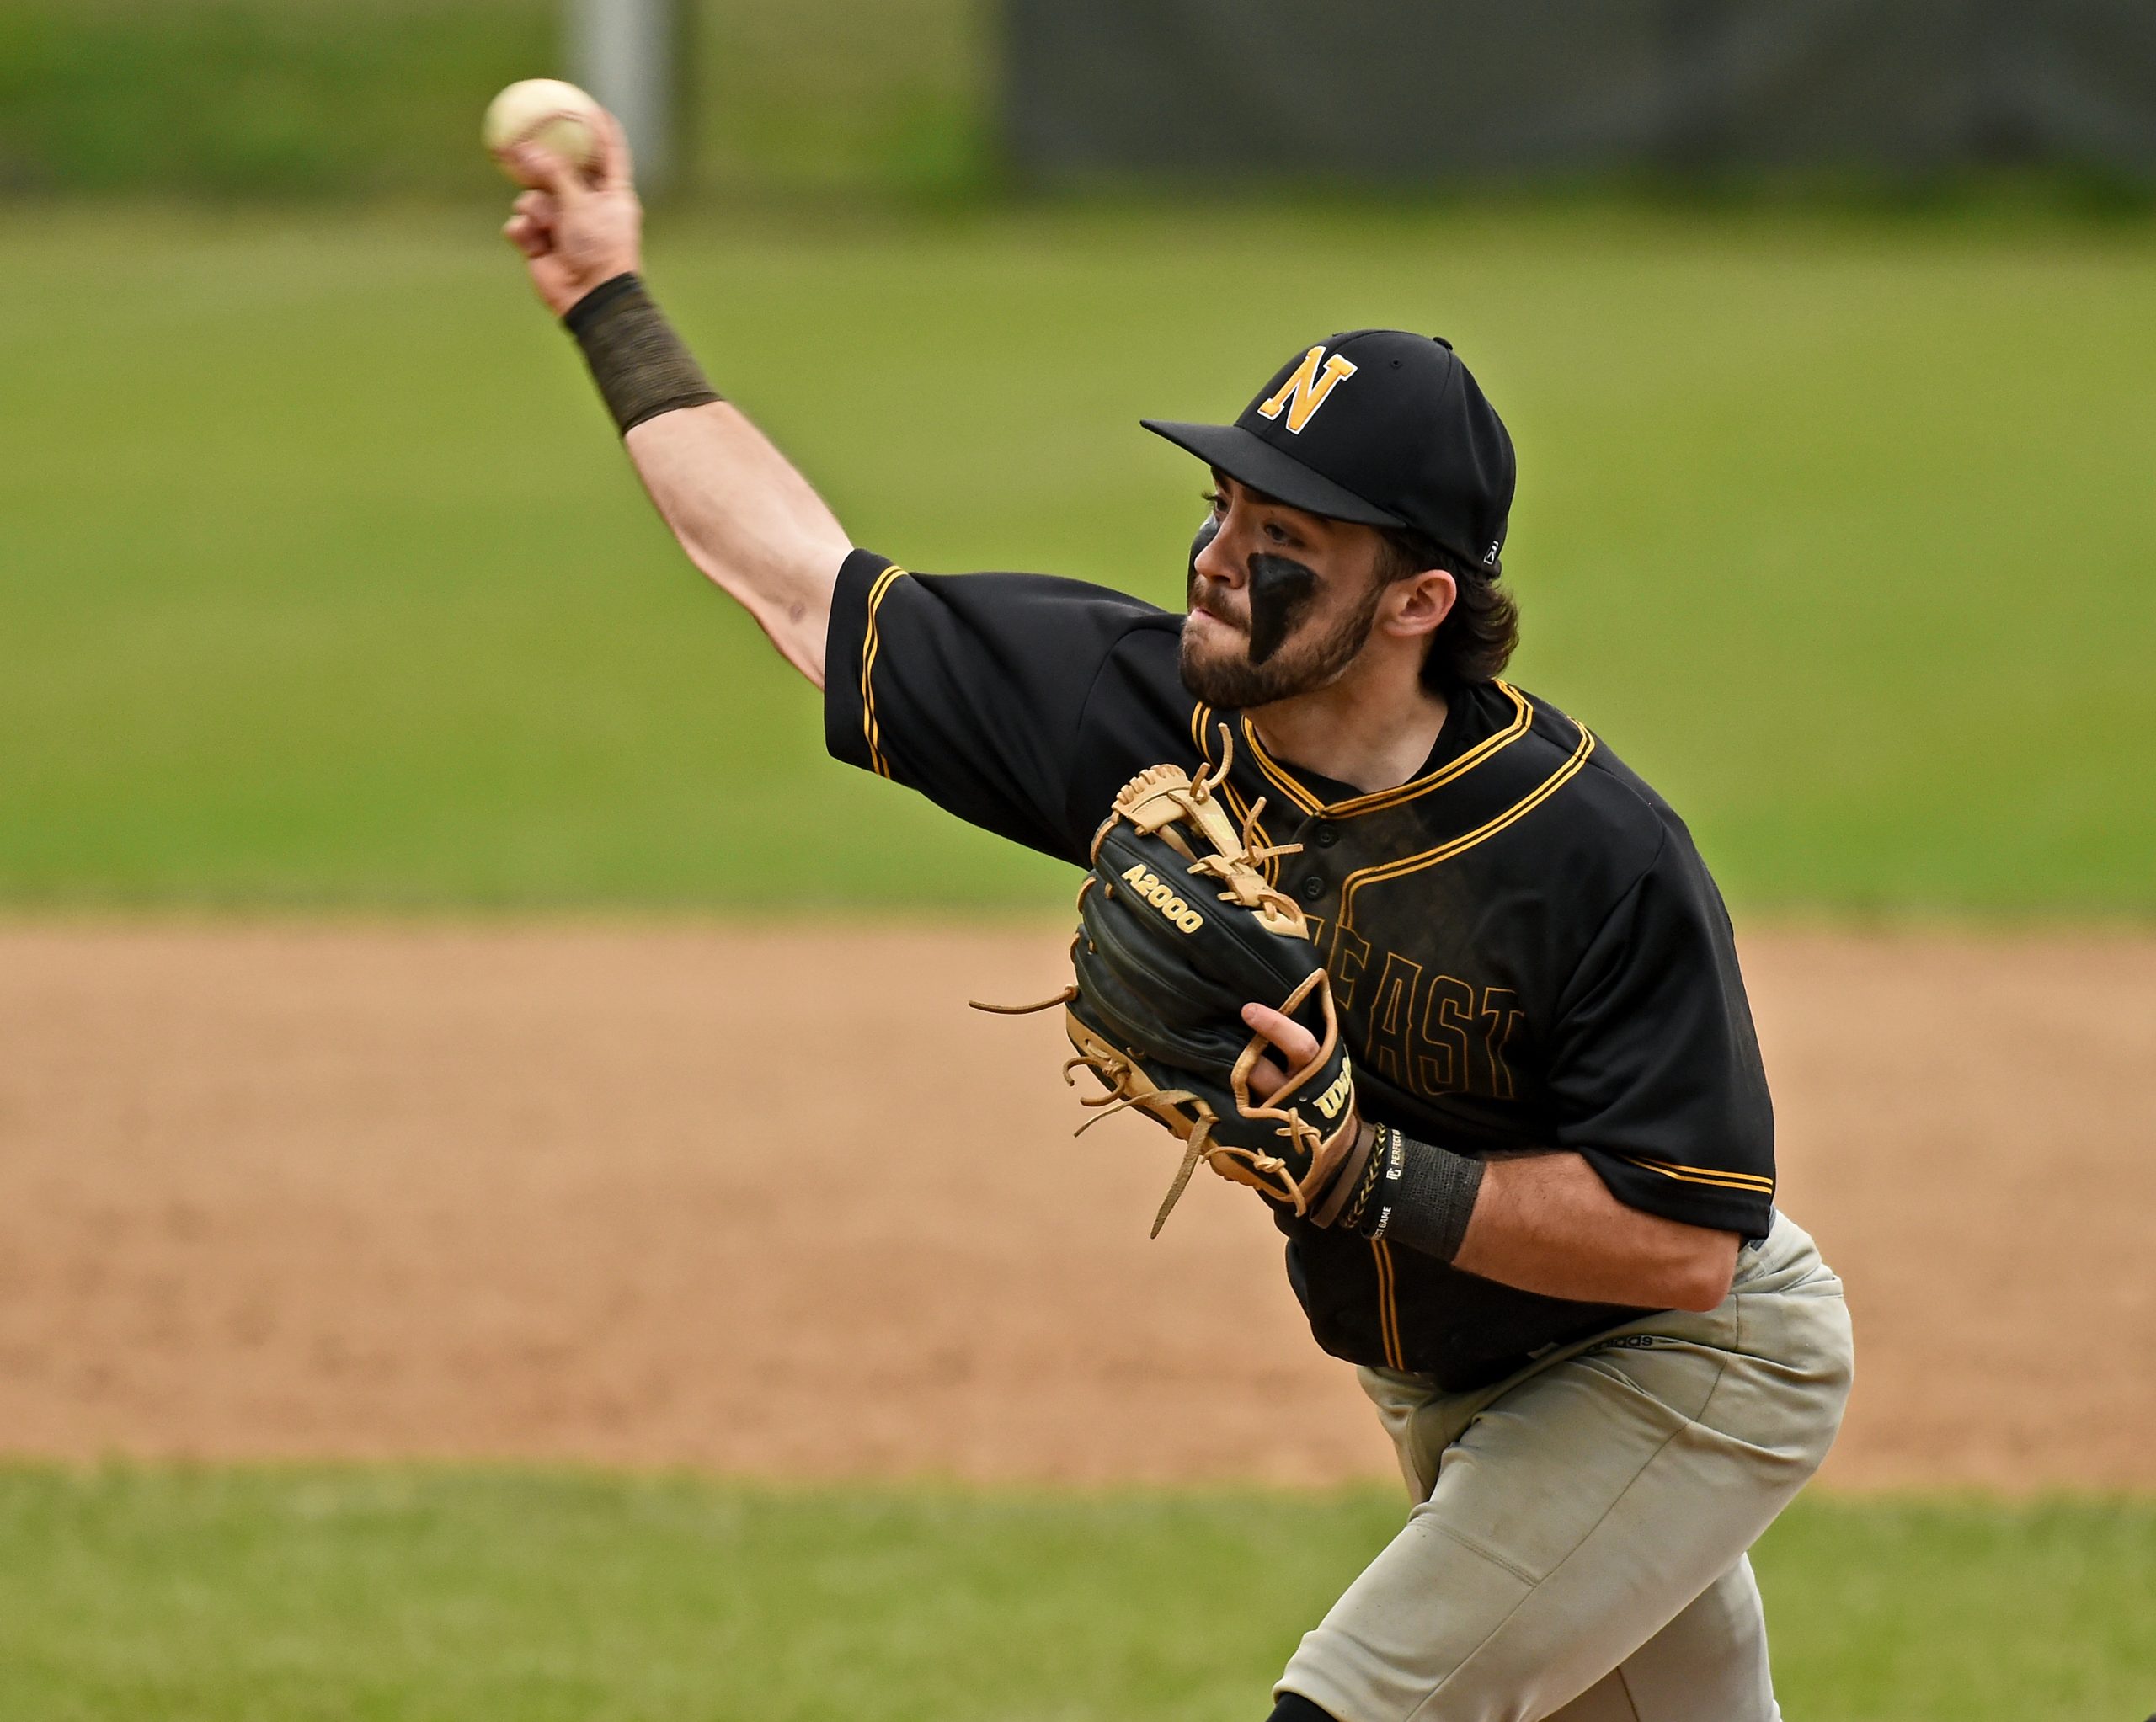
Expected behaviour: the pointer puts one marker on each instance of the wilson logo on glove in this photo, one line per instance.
(1140, 879)
(1337, 1096)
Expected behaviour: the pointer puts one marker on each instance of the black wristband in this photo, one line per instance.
(639, 362)
(1418, 1195)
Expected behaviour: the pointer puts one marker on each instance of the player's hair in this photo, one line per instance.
(1476, 639)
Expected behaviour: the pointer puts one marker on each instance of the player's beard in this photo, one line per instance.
(1313, 656)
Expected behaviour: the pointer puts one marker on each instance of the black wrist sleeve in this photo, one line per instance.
(1417, 1195)
(639, 362)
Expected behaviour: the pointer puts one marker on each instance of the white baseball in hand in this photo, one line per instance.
(555, 115)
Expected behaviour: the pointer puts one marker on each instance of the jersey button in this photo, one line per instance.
(1312, 889)
(1324, 836)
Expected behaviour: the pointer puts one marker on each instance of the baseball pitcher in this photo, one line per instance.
(1403, 946)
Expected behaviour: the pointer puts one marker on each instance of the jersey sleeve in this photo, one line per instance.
(973, 689)
(1655, 1069)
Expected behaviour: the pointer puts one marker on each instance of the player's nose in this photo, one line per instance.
(1214, 557)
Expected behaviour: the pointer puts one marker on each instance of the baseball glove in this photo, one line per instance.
(1177, 931)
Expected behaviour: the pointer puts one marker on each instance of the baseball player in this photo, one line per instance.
(1605, 1359)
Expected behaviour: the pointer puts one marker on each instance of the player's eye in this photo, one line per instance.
(1218, 501)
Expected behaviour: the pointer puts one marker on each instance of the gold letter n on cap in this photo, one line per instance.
(1304, 392)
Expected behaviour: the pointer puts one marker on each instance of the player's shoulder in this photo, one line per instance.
(1052, 627)
(1596, 817)
(1048, 601)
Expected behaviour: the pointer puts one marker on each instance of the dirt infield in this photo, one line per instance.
(775, 1203)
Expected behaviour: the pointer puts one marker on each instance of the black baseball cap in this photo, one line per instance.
(1381, 426)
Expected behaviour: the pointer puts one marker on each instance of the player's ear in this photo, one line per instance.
(1419, 604)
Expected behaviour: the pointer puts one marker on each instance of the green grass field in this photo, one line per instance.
(323, 582)
(307, 1595)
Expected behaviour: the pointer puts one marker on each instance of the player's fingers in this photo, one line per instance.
(1294, 1043)
(616, 170)
(546, 170)
(527, 236)
(1265, 1077)
(532, 216)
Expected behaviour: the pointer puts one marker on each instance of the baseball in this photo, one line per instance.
(545, 111)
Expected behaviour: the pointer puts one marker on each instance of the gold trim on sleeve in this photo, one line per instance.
(1752, 1183)
(869, 729)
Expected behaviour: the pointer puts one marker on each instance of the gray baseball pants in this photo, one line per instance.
(1577, 1546)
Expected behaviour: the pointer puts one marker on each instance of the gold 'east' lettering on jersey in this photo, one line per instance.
(1432, 1035)
(1306, 389)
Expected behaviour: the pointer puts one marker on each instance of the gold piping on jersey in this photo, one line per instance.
(1388, 1305)
(1278, 774)
(868, 729)
(1753, 1183)
(1522, 719)
(1199, 713)
(1459, 845)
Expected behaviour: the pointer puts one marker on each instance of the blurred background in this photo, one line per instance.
(403, 856)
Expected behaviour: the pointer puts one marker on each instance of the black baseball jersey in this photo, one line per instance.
(1527, 951)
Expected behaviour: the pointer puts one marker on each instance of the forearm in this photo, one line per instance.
(1542, 1222)
(747, 519)
(1545, 1222)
